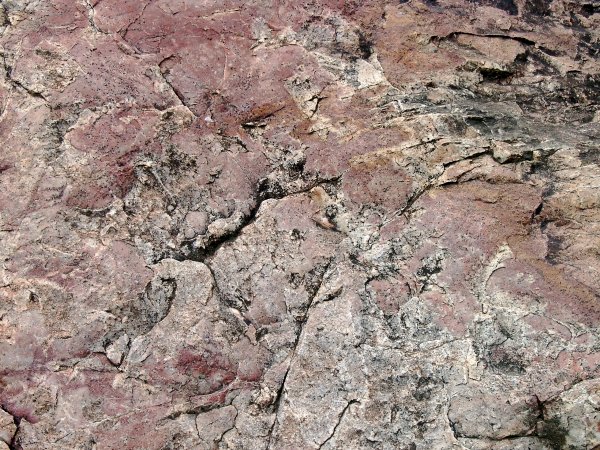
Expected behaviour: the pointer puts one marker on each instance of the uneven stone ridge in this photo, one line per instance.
(307, 224)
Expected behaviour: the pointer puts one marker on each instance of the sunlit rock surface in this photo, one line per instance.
(300, 224)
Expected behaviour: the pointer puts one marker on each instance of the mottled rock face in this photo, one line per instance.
(300, 224)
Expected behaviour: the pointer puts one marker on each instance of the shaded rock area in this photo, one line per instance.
(332, 224)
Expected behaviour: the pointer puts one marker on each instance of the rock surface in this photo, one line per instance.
(300, 224)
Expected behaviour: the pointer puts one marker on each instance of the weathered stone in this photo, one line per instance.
(8, 428)
(476, 414)
(115, 351)
(296, 225)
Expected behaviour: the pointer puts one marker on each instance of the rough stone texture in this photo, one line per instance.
(300, 224)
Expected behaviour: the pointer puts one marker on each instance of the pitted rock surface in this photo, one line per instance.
(300, 224)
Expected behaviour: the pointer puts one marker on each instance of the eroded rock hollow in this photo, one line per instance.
(299, 224)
